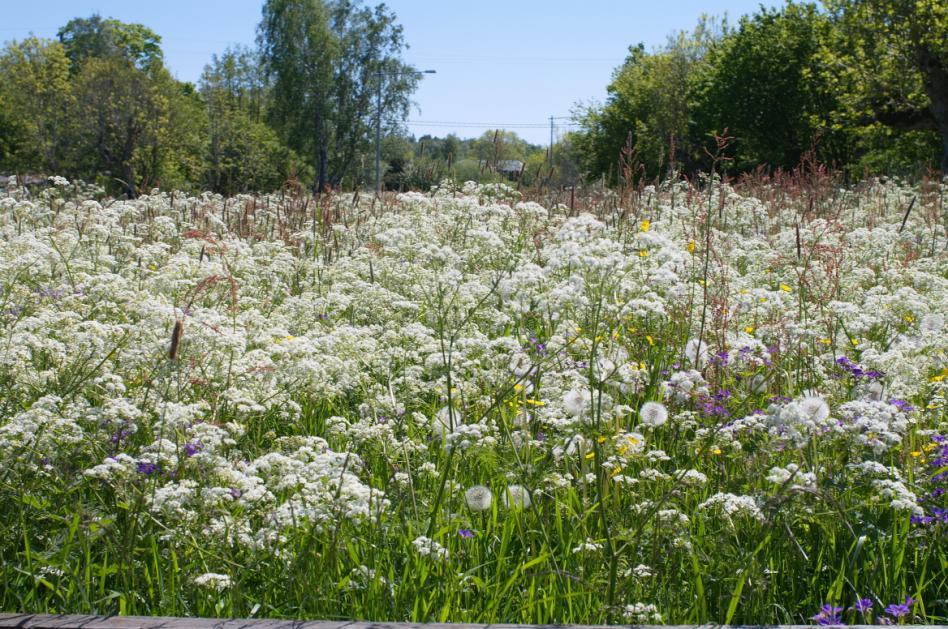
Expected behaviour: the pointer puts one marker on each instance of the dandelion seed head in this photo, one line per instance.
(653, 414)
(478, 498)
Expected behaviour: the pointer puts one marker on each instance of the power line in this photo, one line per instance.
(491, 125)
(513, 60)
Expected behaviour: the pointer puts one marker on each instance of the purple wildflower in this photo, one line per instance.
(193, 447)
(902, 405)
(897, 610)
(828, 615)
(146, 467)
(863, 605)
(466, 533)
(856, 371)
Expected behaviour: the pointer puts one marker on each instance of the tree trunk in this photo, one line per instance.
(130, 180)
(321, 156)
(935, 79)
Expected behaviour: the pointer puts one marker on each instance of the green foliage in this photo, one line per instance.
(888, 61)
(760, 83)
(327, 62)
(121, 114)
(646, 109)
(93, 37)
(243, 153)
(36, 101)
(862, 85)
(99, 105)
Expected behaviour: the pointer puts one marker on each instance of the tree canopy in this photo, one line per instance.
(861, 85)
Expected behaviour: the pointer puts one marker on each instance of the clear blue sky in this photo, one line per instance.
(497, 61)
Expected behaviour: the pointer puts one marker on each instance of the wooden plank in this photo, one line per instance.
(49, 621)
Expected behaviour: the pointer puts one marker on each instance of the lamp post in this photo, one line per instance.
(378, 122)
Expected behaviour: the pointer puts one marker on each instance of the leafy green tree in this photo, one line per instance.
(497, 145)
(243, 152)
(131, 123)
(96, 38)
(647, 110)
(762, 83)
(238, 75)
(35, 100)
(119, 111)
(180, 152)
(326, 60)
(888, 60)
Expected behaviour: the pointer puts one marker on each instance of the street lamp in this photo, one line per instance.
(378, 122)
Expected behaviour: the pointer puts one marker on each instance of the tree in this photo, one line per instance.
(119, 111)
(647, 109)
(35, 100)
(762, 83)
(325, 60)
(243, 153)
(95, 38)
(496, 146)
(889, 61)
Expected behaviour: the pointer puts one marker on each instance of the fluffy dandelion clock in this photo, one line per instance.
(605, 368)
(443, 421)
(520, 365)
(696, 351)
(932, 323)
(478, 498)
(517, 497)
(576, 401)
(653, 414)
(814, 409)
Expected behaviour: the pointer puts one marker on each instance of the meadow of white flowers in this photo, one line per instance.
(462, 406)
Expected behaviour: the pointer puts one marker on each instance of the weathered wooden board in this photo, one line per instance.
(47, 621)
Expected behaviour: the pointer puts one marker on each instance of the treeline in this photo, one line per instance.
(495, 156)
(99, 104)
(858, 85)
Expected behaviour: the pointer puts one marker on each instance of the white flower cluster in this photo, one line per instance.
(252, 376)
(642, 613)
(213, 581)
(732, 505)
(427, 547)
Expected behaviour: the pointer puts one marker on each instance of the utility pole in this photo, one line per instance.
(551, 140)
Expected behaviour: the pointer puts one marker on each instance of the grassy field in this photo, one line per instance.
(679, 404)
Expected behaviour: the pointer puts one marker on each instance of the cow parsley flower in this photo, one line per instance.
(427, 547)
(213, 581)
